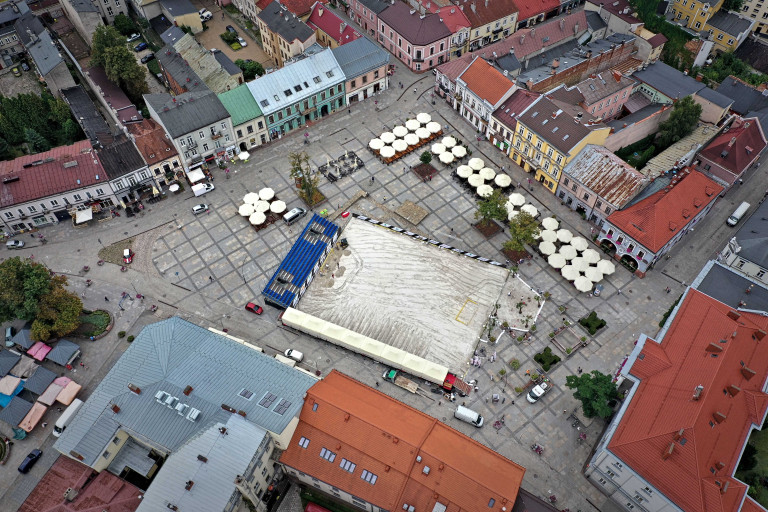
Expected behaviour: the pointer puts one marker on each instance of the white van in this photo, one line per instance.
(294, 215)
(738, 214)
(466, 414)
(66, 417)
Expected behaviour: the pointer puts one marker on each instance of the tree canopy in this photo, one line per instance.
(683, 119)
(523, 229)
(492, 208)
(594, 390)
(44, 114)
(302, 175)
(110, 51)
(250, 69)
(125, 25)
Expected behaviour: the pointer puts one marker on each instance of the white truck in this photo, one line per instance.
(202, 188)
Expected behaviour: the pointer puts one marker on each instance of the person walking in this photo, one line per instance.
(414, 90)
(106, 299)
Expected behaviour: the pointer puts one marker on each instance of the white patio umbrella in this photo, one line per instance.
(261, 206)
(412, 139)
(556, 260)
(591, 256)
(530, 210)
(459, 151)
(580, 243)
(550, 223)
(412, 125)
(423, 133)
(434, 127)
(568, 251)
(606, 267)
(387, 151)
(511, 214)
(464, 171)
(593, 274)
(564, 235)
(517, 199)
(475, 180)
(582, 284)
(449, 141)
(548, 235)
(244, 155)
(251, 197)
(257, 218)
(569, 272)
(502, 180)
(400, 131)
(277, 206)
(476, 163)
(388, 137)
(547, 248)
(376, 144)
(484, 190)
(266, 194)
(245, 210)
(487, 173)
(400, 145)
(424, 118)
(438, 148)
(446, 158)
(580, 264)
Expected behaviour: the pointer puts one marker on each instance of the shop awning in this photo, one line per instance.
(196, 175)
(83, 216)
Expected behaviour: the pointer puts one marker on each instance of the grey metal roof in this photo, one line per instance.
(178, 7)
(169, 356)
(7, 361)
(284, 23)
(190, 111)
(83, 6)
(40, 46)
(715, 97)
(762, 116)
(63, 352)
(226, 63)
(39, 381)
(507, 62)
(9, 14)
(180, 70)
(745, 98)
(359, 57)
(594, 21)
(120, 157)
(134, 456)
(100, 433)
(727, 286)
(172, 35)
(669, 81)
(375, 5)
(630, 119)
(228, 456)
(729, 22)
(753, 236)
(22, 338)
(87, 115)
(15, 411)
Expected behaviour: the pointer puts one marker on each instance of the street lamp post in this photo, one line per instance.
(242, 270)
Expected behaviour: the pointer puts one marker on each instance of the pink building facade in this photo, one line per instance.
(419, 41)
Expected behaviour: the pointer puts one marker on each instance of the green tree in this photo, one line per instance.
(229, 37)
(124, 24)
(683, 119)
(5, 150)
(105, 38)
(58, 313)
(748, 459)
(36, 141)
(23, 284)
(492, 208)
(121, 67)
(425, 157)
(250, 69)
(732, 5)
(70, 132)
(594, 390)
(303, 177)
(523, 229)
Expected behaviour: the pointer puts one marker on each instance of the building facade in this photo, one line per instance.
(156, 149)
(366, 14)
(365, 66)
(745, 252)
(419, 41)
(330, 30)
(504, 119)
(490, 21)
(729, 155)
(480, 89)
(283, 34)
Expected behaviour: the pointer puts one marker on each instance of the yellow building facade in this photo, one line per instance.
(694, 14)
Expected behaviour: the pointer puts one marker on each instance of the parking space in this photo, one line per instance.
(210, 38)
(11, 85)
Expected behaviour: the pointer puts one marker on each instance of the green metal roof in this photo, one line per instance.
(240, 104)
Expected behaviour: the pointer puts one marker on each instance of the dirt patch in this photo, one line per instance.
(412, 212)
(516, 256)
(424, 171)
(114, 253)
(487, 229)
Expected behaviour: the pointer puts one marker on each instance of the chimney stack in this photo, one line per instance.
(668, 452)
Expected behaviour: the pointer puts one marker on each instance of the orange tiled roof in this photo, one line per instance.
(385, 437)
(151, 141)
(709, 345)
(655, 220)
(486, 81)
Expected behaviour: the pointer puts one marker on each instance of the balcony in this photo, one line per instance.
(216, 135)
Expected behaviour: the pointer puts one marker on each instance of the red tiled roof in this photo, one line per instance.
(655, 220)
(324, 19)
(50, 176)
(620, 8)
(453, 17)
(706, 347)
(385, 437)
(114, 96)
(480, 13)
(151, 142)
(299, 7)
(485, 81)
(531, 8)
(740, 144)
(412, 27)
(512, 107)
(262, 4)
(657, 40)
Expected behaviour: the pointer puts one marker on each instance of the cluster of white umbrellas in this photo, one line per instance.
(413, 133)
(447, 150)
(256, 205)
(517, 203)
(477, 174)
(576, 261)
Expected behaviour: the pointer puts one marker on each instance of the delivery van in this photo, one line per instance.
(738, 214)
(468, 415)
(202, 188)
(66, 417)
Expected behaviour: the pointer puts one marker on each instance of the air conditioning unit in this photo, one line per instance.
(181, 409)
(160, 397)
(171, 401)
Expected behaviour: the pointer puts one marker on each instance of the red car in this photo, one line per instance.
(254, 308)
(127, 256)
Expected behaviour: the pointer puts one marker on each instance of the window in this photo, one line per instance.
(631, 248)
(347, 466)
(353, 84)
(201, 134)
(268, 400)
(760, 274)
(566, 181)
(719, 37)
(599, 204)
(549, 152)
(205, 147)
(282, 406)
(106, 454)
(314, 407)
(109, 11)
(559, 158)
(327, 455)
(574, 187)
(239, 133)
(730, 41)
(77, 197)
(369, 477)
(491, 503)
(304, 442)
(640, 254)
(586, 197)
(607, 211)
(620, 240)
(741, 264)
(32, 209)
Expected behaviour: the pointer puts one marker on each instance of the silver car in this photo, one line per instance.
(199, 208)
(14, 244)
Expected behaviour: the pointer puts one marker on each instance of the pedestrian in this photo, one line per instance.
(106, 299)
(45, 424)
(210, 278)
(618, 291)
(222, 15)
(565, 411)
(58, 409)
(377, 383)
(414, 90)
(333, 276)
(579, 370)
(741, 181)
(509, 294)
(519, 184)
(373, 179)
(667, 289)
(92, 338)
(350, 111)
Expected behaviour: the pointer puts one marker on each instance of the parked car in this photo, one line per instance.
(127, 256)
(598, 290)
(25, 66)
(205, 14)
(148, 57)
(254, 308)
(230, 28)
(30, 461)
(133, 37)
(242, 41)
(199, 208)
(16, 71)
(141, 46)
(14, 244)
(294, 354)
(537, 392)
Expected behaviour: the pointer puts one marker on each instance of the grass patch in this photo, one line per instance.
(546, 359)
(93, 323)
(592, 323)
(231, 9)
(669, 311)
(236, 46)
